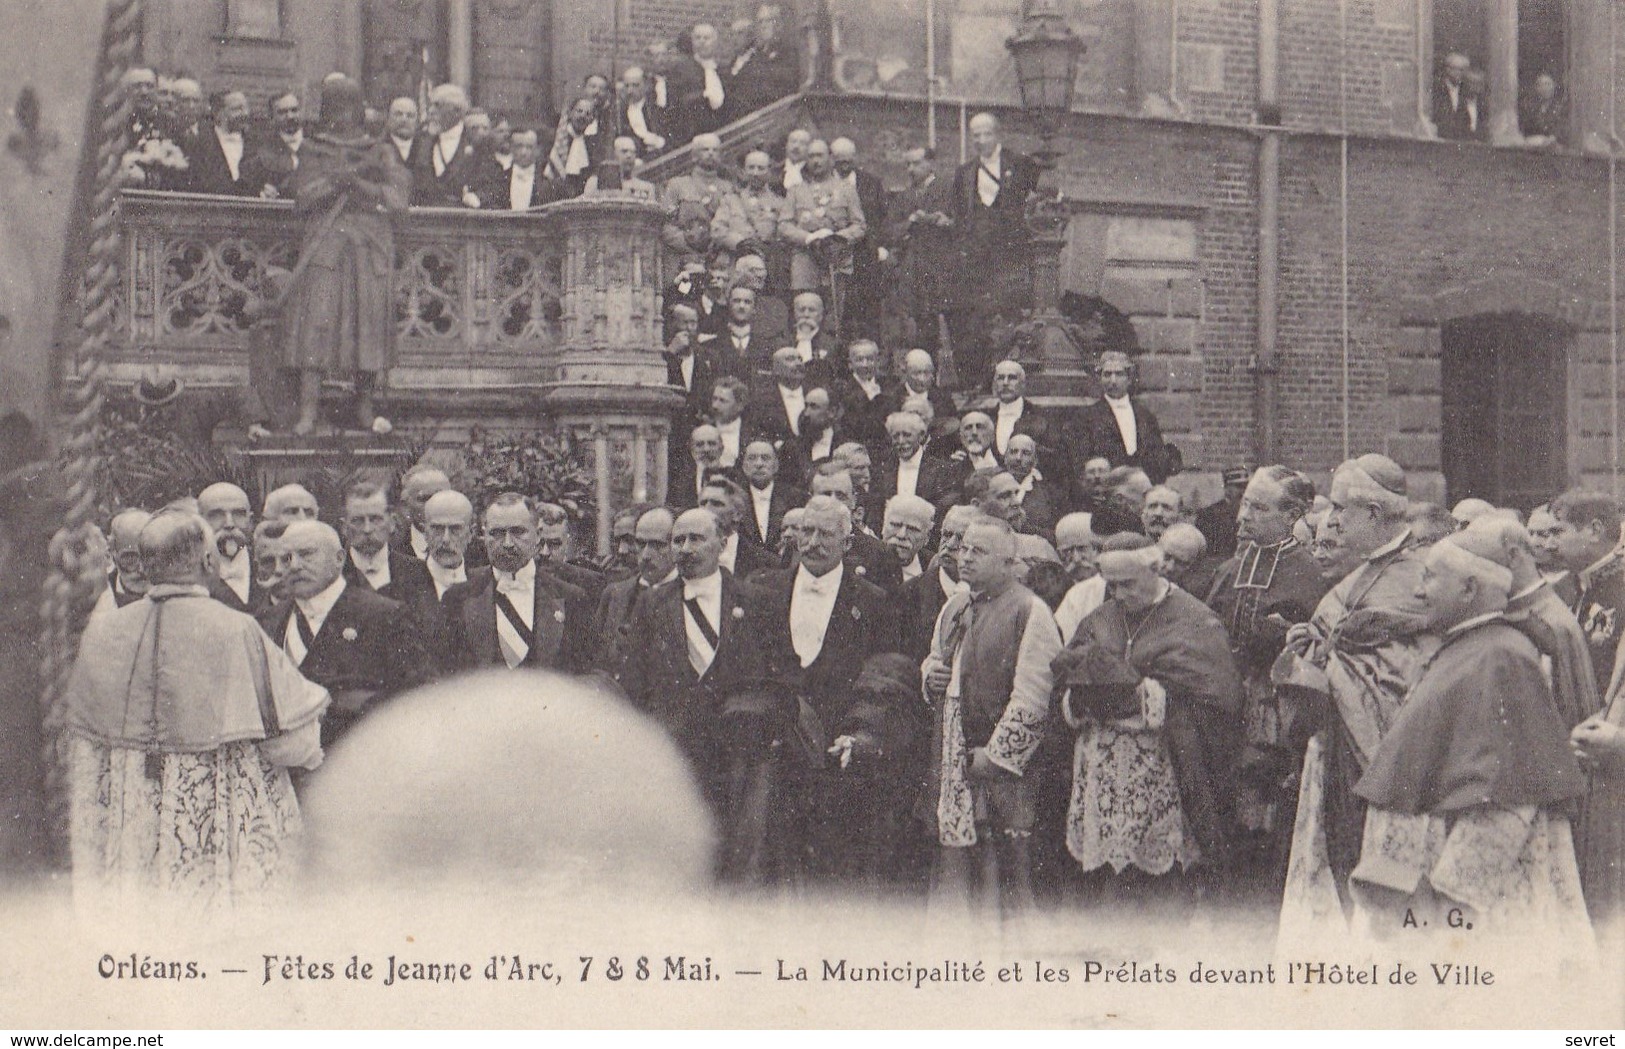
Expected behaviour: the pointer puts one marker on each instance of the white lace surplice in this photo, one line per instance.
(1125, 807)
(207, 831)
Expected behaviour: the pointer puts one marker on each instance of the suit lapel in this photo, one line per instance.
(547, 628)
(480, 621)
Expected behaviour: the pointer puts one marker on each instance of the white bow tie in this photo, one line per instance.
(818, 587)
(511, 586)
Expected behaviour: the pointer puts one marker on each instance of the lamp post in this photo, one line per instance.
(1046, 52)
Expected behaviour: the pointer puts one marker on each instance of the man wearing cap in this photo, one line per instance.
(987, 679)
(1356, 657)
(1218, 520)
(1154, 789)
(1468, 792)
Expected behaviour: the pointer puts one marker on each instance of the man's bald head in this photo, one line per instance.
(291, 502)
(315, 557)
(174, 548)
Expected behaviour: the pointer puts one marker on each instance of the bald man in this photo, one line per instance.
(1454, 827)
(126, 583)
(920, 232)
(694, 199)
(989, 201)
(697, 86)
(355, 642)
(823, 222)
(291, 502)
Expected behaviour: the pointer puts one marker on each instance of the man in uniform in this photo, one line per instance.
(695, 199)
(823, 219)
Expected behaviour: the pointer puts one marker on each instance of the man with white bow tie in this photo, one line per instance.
(448, 524)
(696, 668)
(216, 154)
(224, 506)
(822, 622)
(651, 537)
(520, 185)
(508, 614)
(697, 89)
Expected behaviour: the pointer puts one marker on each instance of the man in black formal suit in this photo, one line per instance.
(125, 583)
(728, 399)
(816, 345)
(1041, 499)
(920, 231)
(448, 521)
(767, 70)
(510, 613)
(870, 558)
(271, 563)
(578, 148)
(270, 168)
(989, 200)
(822, 622)
(906, 524)
(225, 508)
(1217, 522)
(1118, 427)
(769, 496)
(689, 474)
(1457, 112)
(726, 499)
(907, 470)
(697, 87)
(418, 485)
(448, 171)
(920, 600)
(777, 406)
(1013, 413)
(697, 669)
(690, 367)
(919, 382)
(354, 642)
(655, 566)
(370, 563)
(401, 125)
(821, 433)
(553, 547)
(523, 183)
(865, 402)
(867, 289)
(641, 116)
(743, 343)
(217, 153)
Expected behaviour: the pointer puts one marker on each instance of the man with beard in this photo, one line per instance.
(1095, 495)
(356, 643)
(987, 678)
(975, 444)
(402, 124)
(1156, 700)
(624, 153)
(449, 170)
(1270, 584)
(1163, 508)
(217, 154)
(697, 88)
(697, 669)
(225, 508)
(821, 622)
(795, 161)
(510, 613)
(140, 88)
(653, 565)
(743, 559)
(919, 379)
(1079, 550)
(448, 525)
(1470, 789)
(641, 116)
(126, 584)
(577, 149)
(1543, 533)
(694, 200)
(418, 485)
(823, 219)
(747, 220)
(622, 560)
(1356, 658)
(271, 563)
(815, 343)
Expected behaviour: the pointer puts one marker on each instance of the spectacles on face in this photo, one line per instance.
(518, 534)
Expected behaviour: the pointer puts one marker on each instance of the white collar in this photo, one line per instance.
(377, 561)
(318, 606)
(1468, 624)
(293, 138)
(1015, 407)
(1118, 403)
(524, 578)
(452, 136)
(732, 427)
(829, 582)
(762, 495)
(227, 136)
(792, 392)
(239, 567)
(707, 587)
(528, 172)
(659, 582)
(992, 163)
(912, 569)
(914, 460)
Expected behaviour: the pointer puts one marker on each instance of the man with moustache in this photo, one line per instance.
(869, 557)
(821, 623)
(448, 525)
(418, 485)
(1120, 428)
(271, 564)
(126, 583)
(908, 470)
(224, 507)
(1079, 550)
(770, 497)
(789, 174)
(742, 558)
(1587, 542)
(697, 87)
(975, 445)
(372, 564)
(356, 643)
(919, 380)
(655, 565)
(1163, 508)
(1040, 498)
(728, 397)
(865, 403)
(747, 220)
(271, 168)
(511, 614)
(823, 220)
(641, 116)
(577, 150)
(906, 530)
(218, 152)
(402, 124)
(691, 473)
(921, 598)
(697, 670)
(694, 200)
(922, 234)
(555, 547)
(775, 410)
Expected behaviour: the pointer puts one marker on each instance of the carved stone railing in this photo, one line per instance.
(477, 294)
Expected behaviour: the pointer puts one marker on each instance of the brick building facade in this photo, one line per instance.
(1474, 342)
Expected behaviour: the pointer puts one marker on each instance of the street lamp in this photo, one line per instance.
(1046, 53)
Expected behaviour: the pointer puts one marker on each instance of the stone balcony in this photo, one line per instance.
(480, 298)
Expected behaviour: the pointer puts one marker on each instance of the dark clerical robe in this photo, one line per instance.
(1544, 619)
(1258, 594)
(1144, 786)
(1469, 796)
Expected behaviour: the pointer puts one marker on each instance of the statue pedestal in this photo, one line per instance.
(608, 388)
(326, 464)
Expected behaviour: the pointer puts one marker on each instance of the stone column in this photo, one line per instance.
(460, 43)
(1502, 17)
(607, 388)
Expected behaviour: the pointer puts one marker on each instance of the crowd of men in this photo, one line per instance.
(993, 664)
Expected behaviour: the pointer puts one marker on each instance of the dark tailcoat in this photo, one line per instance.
(1098, 435)
(561, 627)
